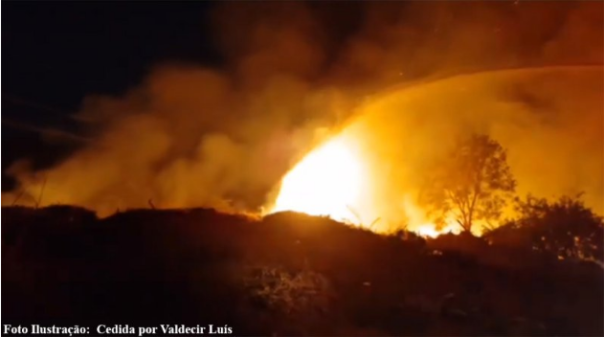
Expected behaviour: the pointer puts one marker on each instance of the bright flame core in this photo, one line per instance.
(328, 181)
(334, 180)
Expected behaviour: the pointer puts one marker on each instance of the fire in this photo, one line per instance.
(421, 226)
(327, 182)
(334, 180)
(430, 230)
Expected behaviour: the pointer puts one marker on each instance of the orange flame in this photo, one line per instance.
(328, 181)
(333, 181)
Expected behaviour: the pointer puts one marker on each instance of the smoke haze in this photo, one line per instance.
(295, 73)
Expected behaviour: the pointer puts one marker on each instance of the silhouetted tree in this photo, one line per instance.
(471, 183)
(565, 228)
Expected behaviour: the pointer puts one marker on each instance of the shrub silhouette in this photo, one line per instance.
(565, 228)
(287, 274)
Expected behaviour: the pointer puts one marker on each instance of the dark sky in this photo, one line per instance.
(57, 53)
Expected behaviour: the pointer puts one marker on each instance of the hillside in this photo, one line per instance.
(286, 274)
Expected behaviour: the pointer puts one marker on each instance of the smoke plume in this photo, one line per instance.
(295, 73)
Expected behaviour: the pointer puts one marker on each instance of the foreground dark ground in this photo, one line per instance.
(287, 274)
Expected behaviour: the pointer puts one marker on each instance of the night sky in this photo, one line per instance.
(57, 53)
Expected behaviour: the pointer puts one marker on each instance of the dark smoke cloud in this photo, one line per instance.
(294, 72)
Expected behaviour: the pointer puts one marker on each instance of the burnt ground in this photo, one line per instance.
(287, 274)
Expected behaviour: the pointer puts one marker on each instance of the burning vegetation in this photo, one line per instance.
(423, 169)
(400, 161)
(328, 181)
(348, 123)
